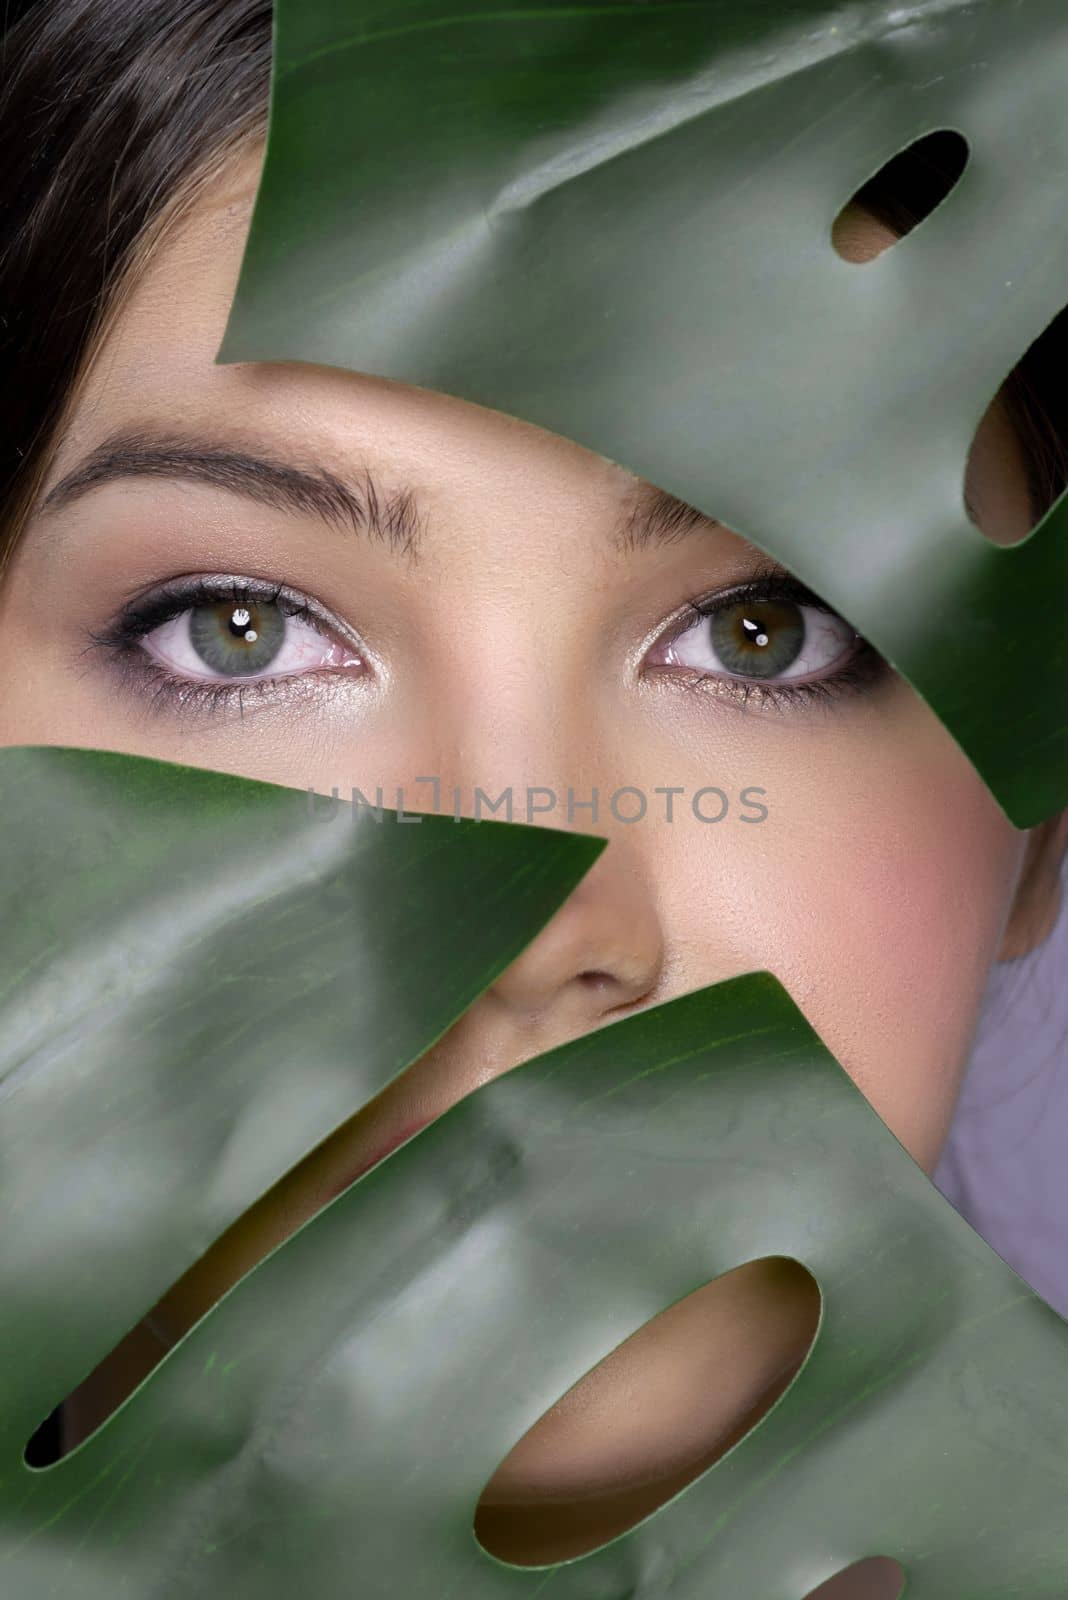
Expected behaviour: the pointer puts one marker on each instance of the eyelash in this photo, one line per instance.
(861, 670)
(123, 637)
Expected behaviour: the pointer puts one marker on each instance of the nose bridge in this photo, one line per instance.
(514, 678)
(518, 748)
(518, 745)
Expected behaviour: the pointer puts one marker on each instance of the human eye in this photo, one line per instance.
(772, 638)
(211, 640)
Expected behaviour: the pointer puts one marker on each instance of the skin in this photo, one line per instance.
(523, 646)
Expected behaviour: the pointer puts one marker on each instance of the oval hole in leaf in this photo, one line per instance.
(45, 1445)
(874, 1578)
(1017, 463)
(111, 1382)
(652, 1416)
(901, 195)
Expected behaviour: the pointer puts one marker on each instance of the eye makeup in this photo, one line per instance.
(230, 623)
(223, 625)
(750, 622)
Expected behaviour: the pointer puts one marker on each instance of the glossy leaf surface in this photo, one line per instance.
(199, 981)
(614, 220)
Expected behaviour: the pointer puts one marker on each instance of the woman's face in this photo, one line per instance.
(517, 613)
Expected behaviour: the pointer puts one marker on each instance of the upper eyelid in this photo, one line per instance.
(177, 595)
(154, 607)
(772, 584)
(183, 593)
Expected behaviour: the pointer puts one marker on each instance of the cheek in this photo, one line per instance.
(876, 891)
(910, 914)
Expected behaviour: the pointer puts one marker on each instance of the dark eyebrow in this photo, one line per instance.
(655, 517)
(660, 518)
(358, 505)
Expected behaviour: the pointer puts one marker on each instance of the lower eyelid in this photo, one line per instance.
(165, 690)
(166, 694)
(864, 668)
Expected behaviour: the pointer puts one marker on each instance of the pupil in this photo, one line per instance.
(237, 639)
(758, 641)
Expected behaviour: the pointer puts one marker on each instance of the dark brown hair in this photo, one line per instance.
(111, 114)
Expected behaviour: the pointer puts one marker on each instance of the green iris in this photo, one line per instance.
(236, 639)
(758, 639)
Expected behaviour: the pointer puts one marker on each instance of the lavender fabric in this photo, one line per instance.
(1004, 1164)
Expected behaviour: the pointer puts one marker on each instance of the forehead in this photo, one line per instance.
(157, 364)
(158, 357)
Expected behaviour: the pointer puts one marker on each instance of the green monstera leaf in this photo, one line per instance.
(614, 220)
(200, 978)
(199, 982)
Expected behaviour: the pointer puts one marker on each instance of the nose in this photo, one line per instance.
(602, 952)
(606, 950)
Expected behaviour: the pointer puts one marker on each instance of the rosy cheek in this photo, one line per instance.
(911, 915)
(876, 891)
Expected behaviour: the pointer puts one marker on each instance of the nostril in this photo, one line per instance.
(611, 997)
(598, 981)
(614, 993)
